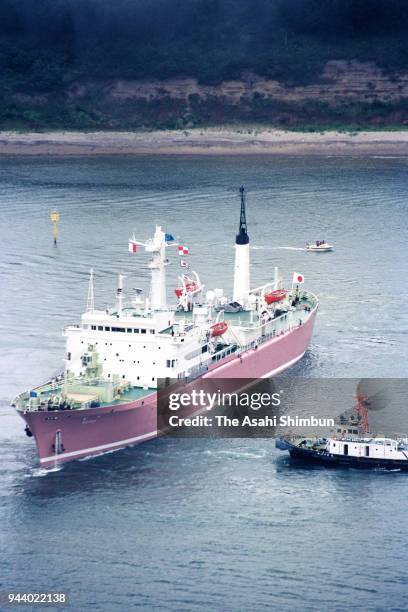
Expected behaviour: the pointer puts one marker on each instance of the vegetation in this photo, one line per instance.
(46, 45)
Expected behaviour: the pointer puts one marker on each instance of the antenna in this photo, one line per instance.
(119, 293)
(90, 302)
(242, 236)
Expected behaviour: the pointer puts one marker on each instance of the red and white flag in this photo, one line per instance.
(183, 250)
(132, 247)
(183, 263)
(298, 279)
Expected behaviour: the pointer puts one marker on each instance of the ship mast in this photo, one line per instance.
(90, 302)
(241, 271)
(157, 247)
(119, 294)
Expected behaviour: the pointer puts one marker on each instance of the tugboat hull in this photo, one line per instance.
(329, 459)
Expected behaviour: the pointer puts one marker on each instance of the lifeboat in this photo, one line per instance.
(218, 329)
(191, 287)
(275, 296)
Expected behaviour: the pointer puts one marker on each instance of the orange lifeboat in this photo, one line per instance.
(190, 288)
(275, 296)
(218, 329)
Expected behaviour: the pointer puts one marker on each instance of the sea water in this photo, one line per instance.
(203, 524)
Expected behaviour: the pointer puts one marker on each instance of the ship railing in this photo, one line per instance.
(274, 333)
(196, 371)
(201, 368)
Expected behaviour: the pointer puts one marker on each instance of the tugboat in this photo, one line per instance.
(352, 445)
(320, 246)
(377, 452)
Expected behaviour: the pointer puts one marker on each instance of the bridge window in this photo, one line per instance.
(93, 327)
(107, 328)
(143, 331)
(136, 330)
(129, 330)
(100, 327)
(152, 331)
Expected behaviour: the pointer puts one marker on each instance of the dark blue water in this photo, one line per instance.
(203, 524)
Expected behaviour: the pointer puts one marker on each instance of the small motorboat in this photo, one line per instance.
(320, 246)
(218, 329)
(275, 296)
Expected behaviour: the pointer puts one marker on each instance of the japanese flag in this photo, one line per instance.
(298, 279)
(132, 247)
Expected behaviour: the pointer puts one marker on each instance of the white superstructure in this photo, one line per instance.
(370, 448)
(140, 341)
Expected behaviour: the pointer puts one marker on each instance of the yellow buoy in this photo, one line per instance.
(54, 218)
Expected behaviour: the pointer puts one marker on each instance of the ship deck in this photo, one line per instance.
(245, 318)
(56, 396)
(82, 393)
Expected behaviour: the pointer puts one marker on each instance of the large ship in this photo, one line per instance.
(106, 397)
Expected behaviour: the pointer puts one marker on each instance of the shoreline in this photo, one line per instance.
(209, 141)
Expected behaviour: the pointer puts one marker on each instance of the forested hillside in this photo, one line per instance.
(63, 62)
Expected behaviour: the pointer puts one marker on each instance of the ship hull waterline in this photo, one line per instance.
(94, 431)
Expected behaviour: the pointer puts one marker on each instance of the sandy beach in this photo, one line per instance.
(205, 142)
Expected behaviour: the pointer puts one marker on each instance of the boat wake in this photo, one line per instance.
(237, 454)
(276, 248)
(41, 472)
